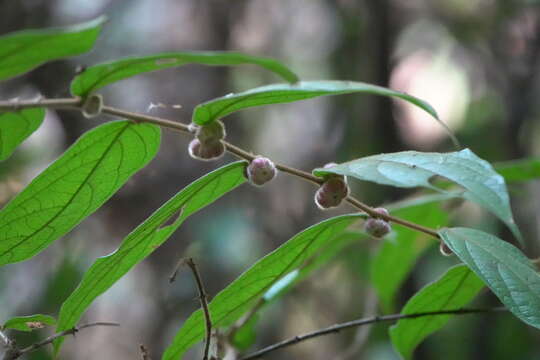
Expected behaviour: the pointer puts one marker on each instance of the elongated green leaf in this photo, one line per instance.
(146, 238)
(397, 255)
(245, 335)
(324, 255)
(457, 287)
(98, 76)
(285, 93)
(507, 272)
(236, 298)
(407, 169)
(29, 323)
(519, 170)
(24, 50)
(74, 186)
(15, 127)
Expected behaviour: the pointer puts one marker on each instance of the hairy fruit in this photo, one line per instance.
(377, 227)
(260, 171)
(332, 192)
(206, 151)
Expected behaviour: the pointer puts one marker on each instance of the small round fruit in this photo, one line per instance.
(331, 193)
(377, 227)
(261, 170)
(206, 151)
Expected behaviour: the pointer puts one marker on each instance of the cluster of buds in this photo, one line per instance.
(377, 227)
(208, 144)
(332, 191)
(260, 171)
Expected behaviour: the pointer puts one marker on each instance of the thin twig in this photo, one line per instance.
(177, 267)
(75, 104)
(16, 104)
(16, 353)
(204, 304)
(362, 333)
(355, 323)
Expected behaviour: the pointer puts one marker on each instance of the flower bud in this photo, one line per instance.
(206, 151)
(377, 227)
(331, 193)
(260, 171)
(211, 132)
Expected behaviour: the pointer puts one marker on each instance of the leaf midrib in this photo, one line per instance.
(68, 203)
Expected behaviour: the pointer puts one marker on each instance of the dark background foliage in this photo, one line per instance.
(475, 61)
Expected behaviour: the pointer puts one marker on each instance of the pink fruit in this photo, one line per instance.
(331, 192)
(261, 170)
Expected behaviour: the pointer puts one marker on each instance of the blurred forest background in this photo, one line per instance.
(475, 61)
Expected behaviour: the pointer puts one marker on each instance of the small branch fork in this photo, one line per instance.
(77, 103)
(202, 297)
(360, 322)
(12, 352)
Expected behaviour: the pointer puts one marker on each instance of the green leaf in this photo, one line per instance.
(236, 298)
(323, 256)
(457, 287)
(24, 50)
(398, 254)
(408, 169)
(74, 186)
(507, 272)
(29, 323)
(98, 76)
(149, 235)
(519, 170)
(15, 127)
(284, 93)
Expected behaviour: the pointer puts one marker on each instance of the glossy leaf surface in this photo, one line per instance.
(98, 76)
(24, 50)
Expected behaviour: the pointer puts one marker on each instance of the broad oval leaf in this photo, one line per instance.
(24, 50)
(399, 253)
(74, 186)
(98, 76)
(408, 169)
(236, 298)
(29, 323)
(284, 93)
(15, 127)
(147, 237)
(455, 289)
(508, 273)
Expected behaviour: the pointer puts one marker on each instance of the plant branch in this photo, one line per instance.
(204, 305)
(15, 353)
(360, 322)
(62, 103)
(76, 104)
